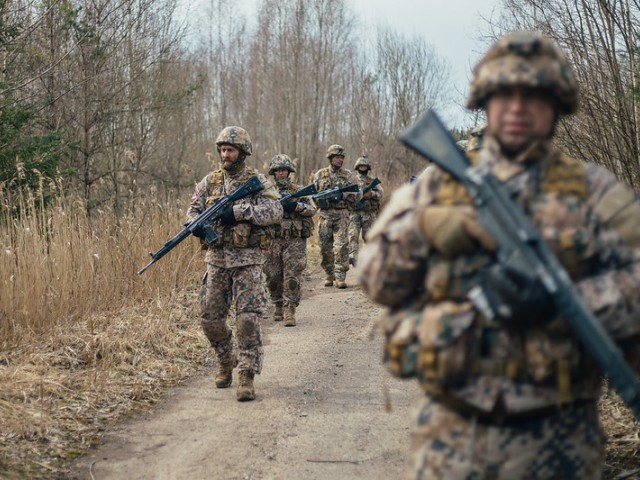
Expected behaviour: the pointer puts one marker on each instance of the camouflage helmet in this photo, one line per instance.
(236, 136)
(281, 160)
(363, 160)
(529, 59)
(334, 150)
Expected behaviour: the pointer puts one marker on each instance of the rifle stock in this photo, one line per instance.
(203, 221)
(521, 246)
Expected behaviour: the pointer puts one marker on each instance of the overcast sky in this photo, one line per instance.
(451, 26)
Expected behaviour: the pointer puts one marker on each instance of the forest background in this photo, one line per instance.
(109, 110)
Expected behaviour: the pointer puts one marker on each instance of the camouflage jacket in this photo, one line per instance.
(589, 219)
(297, 224)
(371, 205)
(241, 244)
(328, 177)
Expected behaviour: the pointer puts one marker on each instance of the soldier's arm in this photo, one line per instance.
(353, 197)
(613, 294)
(266, 211)
(392, 262)
(306, 207)
(198, 202)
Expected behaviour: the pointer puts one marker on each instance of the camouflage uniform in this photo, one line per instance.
(365, 211)
(234, 263)
(287, 257)
(333, 226)
(506, 399)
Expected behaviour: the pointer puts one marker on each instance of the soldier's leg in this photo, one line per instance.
(325, 237)
(295, 261)
(215, 307)
(274, 273)
(355, 228)
(366, 223)
(341, 250)
(250, 300)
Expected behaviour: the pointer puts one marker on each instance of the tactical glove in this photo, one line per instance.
(290, 206)
(227, 217)
(199, 232)
(515, 298)
(453, 231)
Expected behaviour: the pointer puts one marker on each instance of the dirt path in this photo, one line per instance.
(319, 412)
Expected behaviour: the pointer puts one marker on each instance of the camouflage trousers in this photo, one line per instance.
(334, 244)
(359, 224)
(242, 287)
(285, 262)
(567, 445)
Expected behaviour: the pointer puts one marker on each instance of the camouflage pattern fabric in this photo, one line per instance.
(287, 257)
(566, 445)
(242, 288)
(283, 268)
(362, 218)
(234, 272)
(592, 223)
(334, 246)
(333, 226)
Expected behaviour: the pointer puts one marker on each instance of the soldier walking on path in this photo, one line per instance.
(287, 256)
(510, 392)
(333, 225)
(234, 261)
(366, 210)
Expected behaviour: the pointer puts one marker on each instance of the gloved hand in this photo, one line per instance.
(199, 232)
(290, 206)
(516, 298)
(227, 217)
(453, 230)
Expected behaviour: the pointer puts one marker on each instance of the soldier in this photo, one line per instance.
(287, 257)
(366, 210)
(234, 261)
(514, 396)
(334, 218)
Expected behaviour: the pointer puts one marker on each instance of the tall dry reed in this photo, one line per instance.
(60, 266)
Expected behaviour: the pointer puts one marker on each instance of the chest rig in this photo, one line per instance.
(327, 180)
(293, 225)
(447, 345)
(243, 234)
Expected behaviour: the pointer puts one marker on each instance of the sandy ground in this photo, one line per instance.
(320, 411)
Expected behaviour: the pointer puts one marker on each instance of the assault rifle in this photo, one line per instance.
(334, 194)
(376, 181)
(303, 192)
(202, 223)
(521, 247)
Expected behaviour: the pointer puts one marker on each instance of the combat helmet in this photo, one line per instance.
(334, 150)
(236, 136)
(529, 59)
(363, 160)
(281, 160)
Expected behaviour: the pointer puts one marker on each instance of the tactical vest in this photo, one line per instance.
(368, 205)
(447, 345)
(325, 182)
(243, 234)
(293, 225)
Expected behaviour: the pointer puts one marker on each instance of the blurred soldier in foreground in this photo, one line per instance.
(366, 210)
(287, 257)
(234, 261)
(333, 225)
(514, 396)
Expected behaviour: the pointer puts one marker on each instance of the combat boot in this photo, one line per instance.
(328, 281)
(341, 284)
(245, 391)
(224, 375)
(290, 316)
(277, 315)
